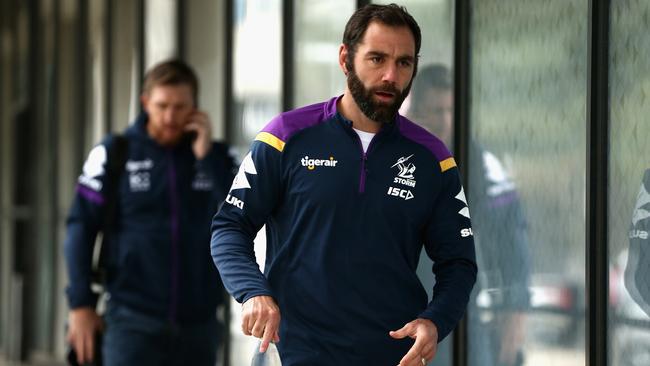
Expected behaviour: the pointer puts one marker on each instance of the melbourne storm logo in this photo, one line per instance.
(406, 169)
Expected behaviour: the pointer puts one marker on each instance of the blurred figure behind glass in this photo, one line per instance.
(496, 326)
(637, 280)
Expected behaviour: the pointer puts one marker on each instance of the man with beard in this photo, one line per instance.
(350, 192)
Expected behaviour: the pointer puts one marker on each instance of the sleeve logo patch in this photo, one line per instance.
(93, 168)
(461, 197)
(247, 167)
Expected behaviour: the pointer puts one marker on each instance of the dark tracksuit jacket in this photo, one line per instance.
(158, 258)
(344, 232)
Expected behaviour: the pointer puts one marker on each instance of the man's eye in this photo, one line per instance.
(375, 59)
(405, 63)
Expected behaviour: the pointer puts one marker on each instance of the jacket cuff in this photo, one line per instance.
(79, 298)
(252, 294)
(443, 325)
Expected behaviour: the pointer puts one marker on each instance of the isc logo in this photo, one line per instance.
(401, 193)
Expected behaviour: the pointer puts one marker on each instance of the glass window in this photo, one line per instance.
(257, 70)
(204, 39)
(160, 31)
(319, 29)
(96, 80)
(124, 78)
(527, 181)
(629, 184)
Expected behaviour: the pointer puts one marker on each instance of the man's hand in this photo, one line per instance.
(424, 349)
(84, 323)
(200, 124)
(261, 319)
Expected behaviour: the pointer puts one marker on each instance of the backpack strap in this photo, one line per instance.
(116, 159)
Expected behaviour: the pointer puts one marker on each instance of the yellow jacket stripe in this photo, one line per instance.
(271, 140)
(447, 164)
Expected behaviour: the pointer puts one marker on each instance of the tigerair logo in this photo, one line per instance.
(311, 164)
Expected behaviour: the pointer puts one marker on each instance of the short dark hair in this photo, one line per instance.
(432, 76)
(391, 15)
(171, 72)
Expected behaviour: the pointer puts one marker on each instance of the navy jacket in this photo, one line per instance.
(158, 258)
(344, 232)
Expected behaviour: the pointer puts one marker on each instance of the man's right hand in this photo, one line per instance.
(261, 319)
(83, 324)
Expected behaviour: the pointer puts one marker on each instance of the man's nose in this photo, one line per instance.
(390, 73)
(170, 115)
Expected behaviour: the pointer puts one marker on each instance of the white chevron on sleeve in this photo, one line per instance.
(461, 197)
(247, 166)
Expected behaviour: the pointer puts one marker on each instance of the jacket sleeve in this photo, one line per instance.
(254, 194)
(449, 243)
(83, 223)
(637, 270)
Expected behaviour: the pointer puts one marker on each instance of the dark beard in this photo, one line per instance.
(376, 111)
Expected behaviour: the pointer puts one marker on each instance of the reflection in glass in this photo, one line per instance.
(529, 65)
(257, 72)
(319, 29)
(629, 184)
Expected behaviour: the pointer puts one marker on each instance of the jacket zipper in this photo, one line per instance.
(173, 195)
(364, 161)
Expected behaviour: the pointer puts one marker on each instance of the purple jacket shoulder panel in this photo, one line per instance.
(418, 134)
(289, 123)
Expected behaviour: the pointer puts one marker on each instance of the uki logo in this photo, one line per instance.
(235, 201)
(405, 175)
(311, 164)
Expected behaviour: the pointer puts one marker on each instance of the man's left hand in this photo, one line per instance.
(199, 123)
(424, 349)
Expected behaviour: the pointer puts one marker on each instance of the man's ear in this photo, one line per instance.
(343, 56)
(144, 100)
